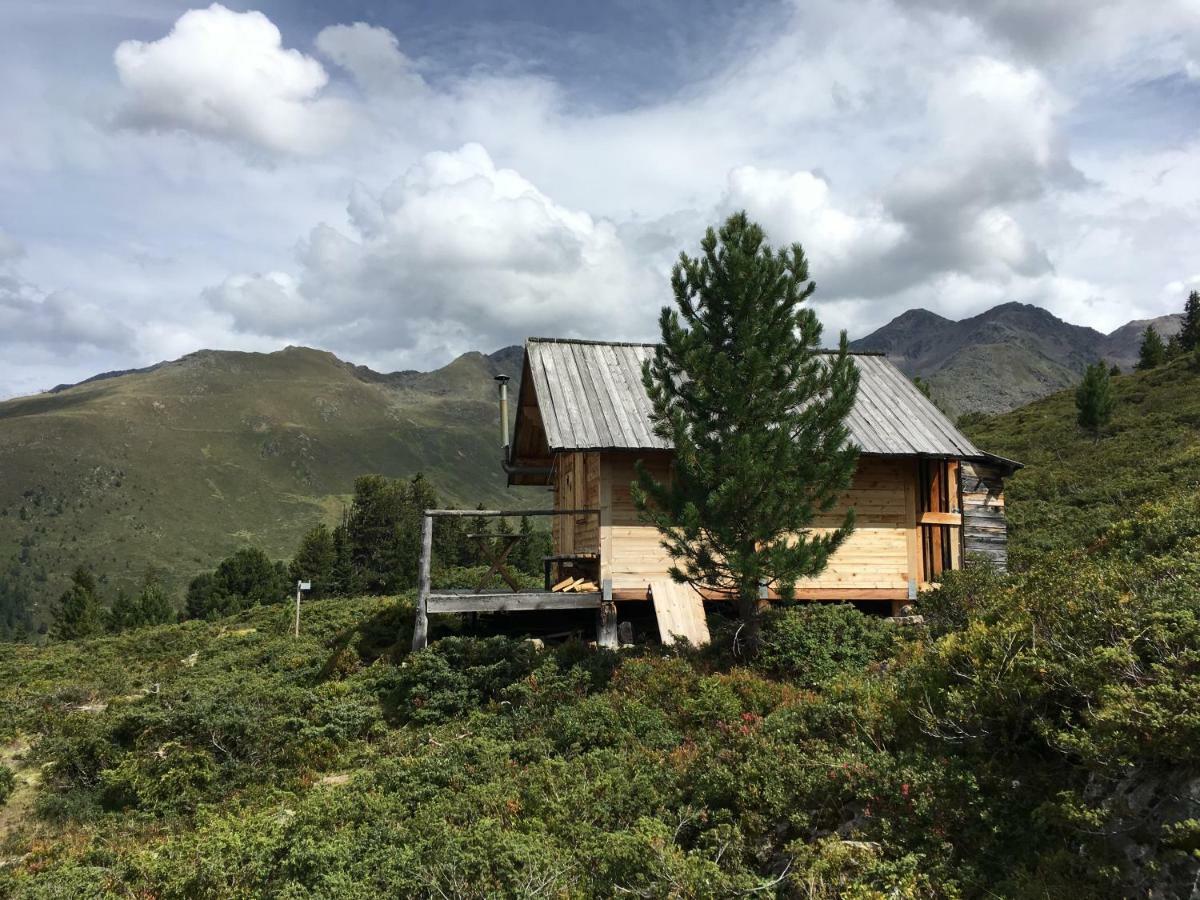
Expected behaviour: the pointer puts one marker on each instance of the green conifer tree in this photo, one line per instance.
(78, 613)
(341, 576)
(153, 605)
(315, 559)
(534, 547)
(1189, 334)
(1094, 398)
(1153, 352)
(756, 413)
(124, 613)
(1174, 348)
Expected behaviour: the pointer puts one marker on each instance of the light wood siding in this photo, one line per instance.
(876, 556)
(984, 528)
(636, 557)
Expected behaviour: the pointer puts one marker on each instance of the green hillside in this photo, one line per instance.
(1037, 739)
(1074, 486)
(175, 467)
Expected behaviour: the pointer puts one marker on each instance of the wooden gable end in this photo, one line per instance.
(529, 451)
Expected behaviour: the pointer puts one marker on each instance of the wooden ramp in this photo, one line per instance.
(680, 612)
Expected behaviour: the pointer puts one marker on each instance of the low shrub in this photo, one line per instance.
(8, 781)
(813, 643)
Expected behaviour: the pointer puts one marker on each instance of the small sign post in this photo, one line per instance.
(300, 586)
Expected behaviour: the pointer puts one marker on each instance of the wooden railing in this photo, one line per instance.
(478, 600)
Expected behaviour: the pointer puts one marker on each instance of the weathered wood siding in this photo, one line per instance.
(985, 531)
(881, 554)
(576, 486)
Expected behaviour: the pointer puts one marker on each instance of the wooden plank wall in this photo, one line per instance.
(576, 486)
(984, 528)
(635, 558)
(879, 555)
(876, 555)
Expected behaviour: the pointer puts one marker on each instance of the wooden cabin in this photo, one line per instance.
(926, 498)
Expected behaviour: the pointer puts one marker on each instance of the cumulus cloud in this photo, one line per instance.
(227, 75)
(799, 206)
(1086, 30)
(371, 54)
(57, 320)
(457, 251)
(957, 206)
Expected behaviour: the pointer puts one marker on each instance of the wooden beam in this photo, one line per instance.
(606, 619)
(421, 623)
(912, 536)
(492, 513)
(533, 601)
(940, 518)
(641, 594)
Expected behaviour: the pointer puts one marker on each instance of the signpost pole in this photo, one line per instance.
(300, 586)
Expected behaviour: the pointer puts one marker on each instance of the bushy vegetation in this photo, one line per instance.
(1073, 487)
(1029, 743)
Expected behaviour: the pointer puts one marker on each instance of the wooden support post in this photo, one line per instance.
(421, 624)
(606, 618)
(912, 531)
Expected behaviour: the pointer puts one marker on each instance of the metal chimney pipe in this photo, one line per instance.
(502, 384)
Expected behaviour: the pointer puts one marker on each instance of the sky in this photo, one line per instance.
(401, 182)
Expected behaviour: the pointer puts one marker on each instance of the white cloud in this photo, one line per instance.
(1087, 32)
(457, 253)
(799, 206)
(58, 320)
(372, 55)
(226, 75)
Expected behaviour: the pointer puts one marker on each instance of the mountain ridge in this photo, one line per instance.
(1004, 357)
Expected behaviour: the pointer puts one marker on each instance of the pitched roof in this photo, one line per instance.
(591, 397)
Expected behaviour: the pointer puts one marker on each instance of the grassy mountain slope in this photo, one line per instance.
(1074, 486)
(176, 466)
(1005, 357)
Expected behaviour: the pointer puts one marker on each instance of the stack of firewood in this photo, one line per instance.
(572, 585)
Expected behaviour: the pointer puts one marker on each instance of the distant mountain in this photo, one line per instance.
(1003, 358)
(177, 465)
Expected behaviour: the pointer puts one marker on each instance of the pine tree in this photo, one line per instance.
(1114, 370)
(124, 613)
(78, 613)
(1153, 351)
(1174, 348)
(1094, 398)
(341, 576)
(757, 416)
(153, 605)
(1189, 334)
(534, 547)
(314, 560)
